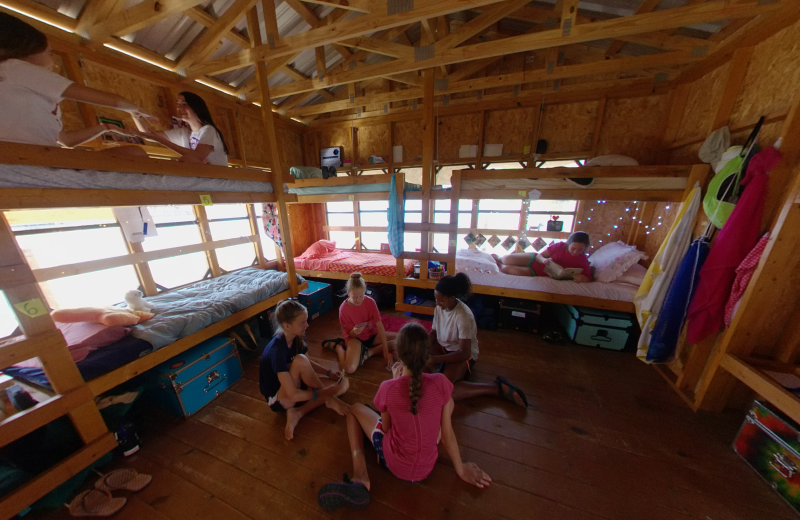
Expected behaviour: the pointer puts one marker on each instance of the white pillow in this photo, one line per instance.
(633, 276)
(612, 160)
(612, 260)
(474, 260)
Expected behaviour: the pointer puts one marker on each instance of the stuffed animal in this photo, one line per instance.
(136, 302)
(106, 315)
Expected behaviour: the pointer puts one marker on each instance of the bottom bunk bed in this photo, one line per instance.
(340, 261)
(184, 318)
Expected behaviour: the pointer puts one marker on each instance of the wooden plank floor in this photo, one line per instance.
(604, 438)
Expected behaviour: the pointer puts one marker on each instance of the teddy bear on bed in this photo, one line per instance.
(136, 302)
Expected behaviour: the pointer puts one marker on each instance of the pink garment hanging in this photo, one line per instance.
(272, 225)
(743, 274)
(735, 240)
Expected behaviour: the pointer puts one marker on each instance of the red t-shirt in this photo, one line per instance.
(560, 255)
(409, 447)
(351, 315)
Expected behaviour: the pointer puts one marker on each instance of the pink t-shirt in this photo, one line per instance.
(351, 315)
(560, 255)
(409, 447)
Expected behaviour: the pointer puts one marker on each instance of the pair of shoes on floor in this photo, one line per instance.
(337, 494)
(328, 171)
(554, 337)
(99, 502)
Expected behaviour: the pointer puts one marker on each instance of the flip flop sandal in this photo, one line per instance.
(124, 478)
(512, 389)
(95, 502)
(335, 495)
(330, 344)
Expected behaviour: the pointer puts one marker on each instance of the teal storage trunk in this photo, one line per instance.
(596, 327)
(191, 380)
(318, 298)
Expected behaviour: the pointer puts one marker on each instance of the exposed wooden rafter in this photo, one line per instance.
(204, 44)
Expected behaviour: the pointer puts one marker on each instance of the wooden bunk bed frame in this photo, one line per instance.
(693, 173)
(74, 397)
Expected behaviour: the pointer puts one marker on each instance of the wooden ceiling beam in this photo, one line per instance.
(407, 78)
(204, 44)
(42, 12)
(207, 20)
(137, 17)
(754, 32)
(612, 28)
(490, 16)
(304, 12)
(375, 45)
(646, 6)
(472, 67)
(358, 6)
(341, 30)
(518, 78)
(95, 11)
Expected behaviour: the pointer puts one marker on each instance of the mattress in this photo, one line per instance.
(627, 183)
(349, 262)
(350, 188)
(607, 291)
(22, 176)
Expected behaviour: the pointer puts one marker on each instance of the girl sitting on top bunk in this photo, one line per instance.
(30, 93)
(290, 381)
(415, 412)
(364, 335)
(569, 254)
(201, 142)
(454, 343)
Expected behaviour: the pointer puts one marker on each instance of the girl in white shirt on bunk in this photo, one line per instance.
(201, 142)
(30, 93)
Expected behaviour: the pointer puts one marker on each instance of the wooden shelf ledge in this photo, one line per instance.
(754, 377)
(23, 423)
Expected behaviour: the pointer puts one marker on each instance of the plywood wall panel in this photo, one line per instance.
(151, 98)
(408, 134)
(305, 222)
(599, 218)
(513, 128)
(454, 131)
(291, 146)
(633, 127)
(701, 104)
(223, 118)
(772, 77)
(659, 225)
(685, 154)
(568, 127)
(374, 140)
(255, 148)
(70, 114)
(310, 148)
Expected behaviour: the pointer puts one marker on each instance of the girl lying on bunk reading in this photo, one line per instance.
(454, 343)
(30, 93)
(571, 262)
(415, 410)
(290, 381)
(364, 335)
(201, 142)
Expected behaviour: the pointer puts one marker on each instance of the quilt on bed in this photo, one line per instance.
(184, 311)
(350, 261)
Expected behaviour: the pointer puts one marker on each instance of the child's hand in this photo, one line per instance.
(138, 113)
(543, 260)
(335, 375)
(474, 475)
(397, 370)
(358, 329)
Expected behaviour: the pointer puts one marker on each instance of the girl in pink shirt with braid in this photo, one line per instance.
(415, 410)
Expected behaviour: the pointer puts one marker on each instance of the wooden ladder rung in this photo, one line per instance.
(22, 348)
(26, 421)
(32, 491)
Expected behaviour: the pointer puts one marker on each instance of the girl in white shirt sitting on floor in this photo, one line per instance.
(30, 93)
(454, 343)
(203, 143)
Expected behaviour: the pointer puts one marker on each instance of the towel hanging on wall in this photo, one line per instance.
(396, 219)
(272, 226)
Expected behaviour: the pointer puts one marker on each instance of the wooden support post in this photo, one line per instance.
(357, 223)
(354, 150)
(782, 175)
(598, 124)
(276, 161)
(428, 144)
(677, 103)
(733, 85)
(452, 243)
(537, 118)
(481, 139)
(205, 236)
(473, 222)
(74, 70)
(259, 250)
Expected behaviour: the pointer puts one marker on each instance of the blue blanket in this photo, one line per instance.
(184, 311)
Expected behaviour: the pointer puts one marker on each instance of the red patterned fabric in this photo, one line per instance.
(743, 274)
(370, 263)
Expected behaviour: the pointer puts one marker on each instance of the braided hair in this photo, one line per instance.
(286, 312)
(414, 350)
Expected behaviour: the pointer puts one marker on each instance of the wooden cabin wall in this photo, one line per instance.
(769, 88)
(306, 222)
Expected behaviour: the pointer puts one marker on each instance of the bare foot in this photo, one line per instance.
(362, 481)
(293, 417)
(337, 406)
(343, 386)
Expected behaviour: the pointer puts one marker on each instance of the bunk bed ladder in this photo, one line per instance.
(73, 398)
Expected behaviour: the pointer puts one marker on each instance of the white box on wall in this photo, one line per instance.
(492, 150)
(467, 150)
(397, 154)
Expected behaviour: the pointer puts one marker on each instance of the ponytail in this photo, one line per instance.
(457, 286)
(286, 312)
(414, 350)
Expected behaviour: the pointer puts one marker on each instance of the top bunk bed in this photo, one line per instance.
(46, 177)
